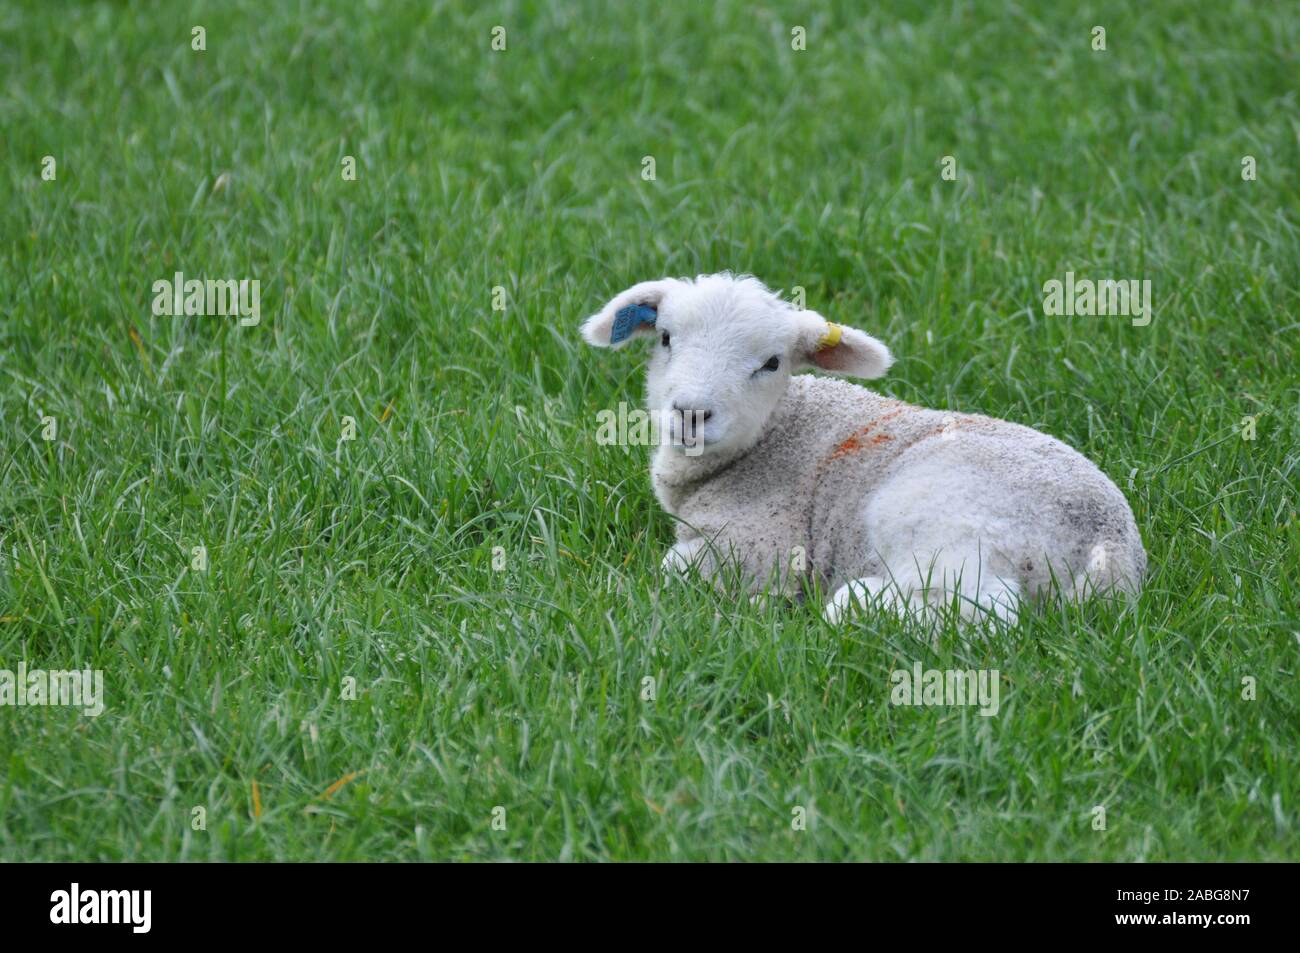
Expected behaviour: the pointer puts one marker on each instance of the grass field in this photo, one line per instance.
(369, 562)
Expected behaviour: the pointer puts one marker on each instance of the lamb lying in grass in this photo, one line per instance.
(888, 504)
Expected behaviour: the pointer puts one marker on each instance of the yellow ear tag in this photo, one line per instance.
(833, 334)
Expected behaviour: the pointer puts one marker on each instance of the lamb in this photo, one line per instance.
(885, 504)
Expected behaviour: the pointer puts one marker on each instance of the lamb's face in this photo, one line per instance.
(722, 357)
(724, 350)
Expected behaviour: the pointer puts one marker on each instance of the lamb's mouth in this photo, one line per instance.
(693, 436)
(690, 444)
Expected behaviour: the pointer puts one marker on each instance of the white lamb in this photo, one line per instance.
(886, 503)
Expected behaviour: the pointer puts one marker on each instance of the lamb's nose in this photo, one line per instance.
(697, 413)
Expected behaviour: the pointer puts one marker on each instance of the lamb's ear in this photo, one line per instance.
(841, 349)
(632, 311)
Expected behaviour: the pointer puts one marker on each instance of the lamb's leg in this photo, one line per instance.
(995, 600)
(861, 593)
(919, 590)
(679, 560)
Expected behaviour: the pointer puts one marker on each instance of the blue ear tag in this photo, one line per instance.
(627, 319)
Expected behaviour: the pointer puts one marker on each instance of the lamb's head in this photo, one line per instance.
(724, 350)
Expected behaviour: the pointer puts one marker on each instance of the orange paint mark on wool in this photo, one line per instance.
(854, 442)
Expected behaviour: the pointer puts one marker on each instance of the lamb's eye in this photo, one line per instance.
(772, 364)
(664, 339)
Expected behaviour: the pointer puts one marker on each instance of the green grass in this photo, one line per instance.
(372, 559)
